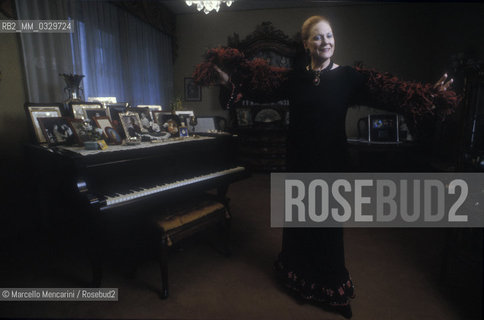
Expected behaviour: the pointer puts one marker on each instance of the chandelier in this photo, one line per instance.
(209, 5)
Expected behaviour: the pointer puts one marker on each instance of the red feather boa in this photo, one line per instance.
(386, 91)
(263, 80)
(408, 97)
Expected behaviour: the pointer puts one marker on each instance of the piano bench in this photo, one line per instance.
(186, 221)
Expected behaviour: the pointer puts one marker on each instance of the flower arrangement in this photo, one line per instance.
(177, 104)
(88, 132)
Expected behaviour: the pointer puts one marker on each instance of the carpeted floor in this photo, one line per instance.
(397, 274)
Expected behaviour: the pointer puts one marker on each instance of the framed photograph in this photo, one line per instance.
(103, 100)
(77, 108)
(131, 124)
(183, 132)
(102, 122)
(193, 92)
(114, 110)
(35, 111)
(145, 118)
(184, 117)
(113, 136)
(90, 114)
(244, 117)
(57, 130)
(152, 108)
(79, 129)
(168, 122)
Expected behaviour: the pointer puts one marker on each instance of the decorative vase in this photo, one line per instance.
(73, 88)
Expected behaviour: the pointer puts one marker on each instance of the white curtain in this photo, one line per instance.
(119, 54)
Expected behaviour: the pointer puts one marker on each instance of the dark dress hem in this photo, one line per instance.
(311, 290)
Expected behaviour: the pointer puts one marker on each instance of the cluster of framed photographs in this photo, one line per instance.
(114, 122)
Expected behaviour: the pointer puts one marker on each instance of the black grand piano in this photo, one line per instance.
(96, 186)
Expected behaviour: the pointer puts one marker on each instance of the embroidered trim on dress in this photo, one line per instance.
(339, 296)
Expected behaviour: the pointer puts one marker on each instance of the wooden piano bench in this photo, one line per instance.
(185, 221)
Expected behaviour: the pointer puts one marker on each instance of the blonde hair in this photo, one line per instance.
(309, 23)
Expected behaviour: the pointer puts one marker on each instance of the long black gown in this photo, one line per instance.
(312, 259)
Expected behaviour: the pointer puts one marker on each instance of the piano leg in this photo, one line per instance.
(222, 194)
(222, 197)
(226, 233)
(96, 244)
(97, 274)
(163, 256)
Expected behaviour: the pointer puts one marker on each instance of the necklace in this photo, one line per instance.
(317, 73)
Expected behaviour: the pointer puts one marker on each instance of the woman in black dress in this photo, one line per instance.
(312, 261)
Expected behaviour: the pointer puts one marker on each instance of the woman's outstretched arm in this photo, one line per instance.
(410, 98)
(252, 79)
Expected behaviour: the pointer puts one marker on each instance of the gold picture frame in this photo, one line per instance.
(152, 108)
(36, 111)
(77, 108)
(132, 126)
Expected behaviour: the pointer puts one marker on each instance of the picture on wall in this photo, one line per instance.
(244, 117)
(193, 92)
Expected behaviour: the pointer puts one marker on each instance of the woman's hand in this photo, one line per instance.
(442, 85)
(224, 77)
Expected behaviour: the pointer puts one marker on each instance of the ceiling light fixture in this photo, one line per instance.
(209, 5)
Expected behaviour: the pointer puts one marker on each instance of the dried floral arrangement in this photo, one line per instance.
(88, 132)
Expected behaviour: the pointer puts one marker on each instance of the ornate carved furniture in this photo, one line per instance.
(262, 124)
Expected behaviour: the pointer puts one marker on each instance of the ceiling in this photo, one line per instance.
(179, 6)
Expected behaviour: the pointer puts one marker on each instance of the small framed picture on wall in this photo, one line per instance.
(193, 92)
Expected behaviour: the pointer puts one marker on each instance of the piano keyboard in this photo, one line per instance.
(120, 198)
